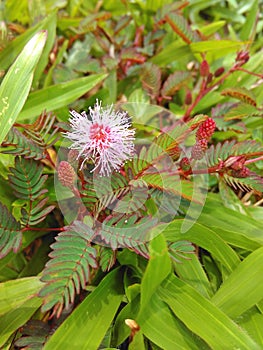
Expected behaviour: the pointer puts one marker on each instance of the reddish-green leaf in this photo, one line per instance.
(151, 79)
(241, 94)
(180, 26)
(175, 82)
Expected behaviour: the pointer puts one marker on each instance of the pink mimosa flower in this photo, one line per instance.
(104, 136)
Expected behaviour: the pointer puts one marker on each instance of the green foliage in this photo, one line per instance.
(241, 94)
(34, 335)
(180, 26)
(65, 274)
(10, 234)
(151, 79)
(17, 82)
(27, 180)
(174, 83)
(166, 252)
(35, 141)
(23, 145)
(106, 299)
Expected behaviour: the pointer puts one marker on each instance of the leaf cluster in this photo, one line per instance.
(167, 252)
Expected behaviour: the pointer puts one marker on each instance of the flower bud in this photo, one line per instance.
(242, 57)
(66, 174)
(241, 173)
(188, 98)
(239, 163)
(206, 129)
(219, 72)
(197, 151)
(209, 78)
(204, 68)
(204, 144)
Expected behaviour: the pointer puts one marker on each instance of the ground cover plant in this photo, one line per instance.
(131, 183)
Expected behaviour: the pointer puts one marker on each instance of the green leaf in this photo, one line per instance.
(219, 48)
(137, 342)
(192, 272)
(151, 79)
(204, 318)
(14, 47)
(252, 322)
(240, 111)
(17, 82)
(160, 326)
(177, 49)
(175, 82)
(121, 331)
(27, 181)
(233, 227)
(180, 26)
(242, 94)
(111, 84)
(212, 28)
(10, 232)
(50, 27)
(14, 293)
(14, 319)
(251, 22)
(58, 60)
(243, 288)
(88, 324)
(57, 96)
(253, 181)
(69, 269)
(205, 238)
(154, 5)
(157, 270)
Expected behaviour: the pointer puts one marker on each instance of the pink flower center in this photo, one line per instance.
(100, 134)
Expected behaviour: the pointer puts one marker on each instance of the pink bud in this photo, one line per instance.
(66, 174)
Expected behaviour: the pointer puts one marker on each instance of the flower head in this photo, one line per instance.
(104, 136)
(206, 130)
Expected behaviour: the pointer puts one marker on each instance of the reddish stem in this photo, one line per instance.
(204, 90)
(248, 72)
(249, 161)
(43, 229)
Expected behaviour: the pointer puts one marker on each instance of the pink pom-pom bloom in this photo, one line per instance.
(104, 136)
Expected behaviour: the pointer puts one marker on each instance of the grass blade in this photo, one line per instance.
(57, 96)
(203, 318)
(86, 327)
(17, 82)
(244, 286)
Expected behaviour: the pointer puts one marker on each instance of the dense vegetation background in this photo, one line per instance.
(165, 253)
